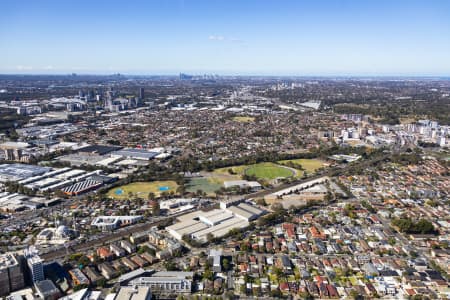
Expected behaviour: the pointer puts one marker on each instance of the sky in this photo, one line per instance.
(228, 37)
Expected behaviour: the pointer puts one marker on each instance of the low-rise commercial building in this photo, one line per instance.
(78, 277)
(47, 290)
(134, 293)
(114, 222)
(166, 282)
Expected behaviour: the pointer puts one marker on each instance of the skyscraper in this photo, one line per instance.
(34, 264)
(141, 93)
(108, 101)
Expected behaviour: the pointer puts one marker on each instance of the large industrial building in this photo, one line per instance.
(16, 172)
(60, 179)
(70, 181)
(82, 187)
(100, 155)
(141, 154)
(218, 222)
(99, 149)
(12, 202)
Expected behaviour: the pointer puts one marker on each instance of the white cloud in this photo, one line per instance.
(48, 68)
(24, 68)
(222, 38)
(216, 38)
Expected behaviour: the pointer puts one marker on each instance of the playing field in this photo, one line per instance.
(262, 170)
(204, 184)
(268, 171)
(244, 119)
(236, 170)
(309, 165)
(142, 189)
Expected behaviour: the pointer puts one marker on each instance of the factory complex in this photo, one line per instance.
(217, 222)
(70, 181)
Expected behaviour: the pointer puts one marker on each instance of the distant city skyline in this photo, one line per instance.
(318, 38)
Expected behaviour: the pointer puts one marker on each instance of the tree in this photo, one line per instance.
(367, 206)
(171, 266)
(276, 293)
(261, 202)
(243, 289)
(278, 272)
(226, 264)
(407, 225)
(83, 261)
(80, 287)
(156, 211)
(101, 282)
(151, 196)
(75, 256)
(181, 189)
(355, 295)
(208, 274)
(391, 241)
(143, 249)
(277, 207)
(244, 246)
(229, 295)
(306, 296)
(209, 237)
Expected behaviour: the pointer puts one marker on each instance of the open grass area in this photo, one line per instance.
(309, 165)
(265, 170)
(273, 278)
(239, 170)
(206, 185)
(142, 189)
(243, 119)
(268, 171)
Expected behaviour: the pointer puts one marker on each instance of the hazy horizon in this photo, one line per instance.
(242, 74)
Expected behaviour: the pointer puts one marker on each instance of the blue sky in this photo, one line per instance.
(314, 37)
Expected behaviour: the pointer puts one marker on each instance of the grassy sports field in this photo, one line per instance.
(268, 171)
(309, 165)
(142, 189)
(206, 185)
(265, 170)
